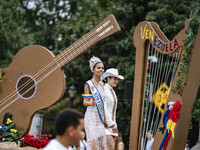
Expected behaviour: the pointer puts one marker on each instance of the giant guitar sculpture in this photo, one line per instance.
(157, 70)
(35, 79)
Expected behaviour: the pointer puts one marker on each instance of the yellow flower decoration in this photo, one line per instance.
(9, 121)
(13, 130)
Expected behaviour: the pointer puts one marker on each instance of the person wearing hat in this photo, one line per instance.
(110, 78)
(94, 96)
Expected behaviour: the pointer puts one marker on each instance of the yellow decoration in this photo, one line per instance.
(86, 94)
(160, 96)
(8, 121)
(170, 126)
(13, 130)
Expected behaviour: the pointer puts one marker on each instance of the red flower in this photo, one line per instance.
(49, 136)
(30, 140)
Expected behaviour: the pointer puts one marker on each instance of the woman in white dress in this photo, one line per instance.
(94, 96)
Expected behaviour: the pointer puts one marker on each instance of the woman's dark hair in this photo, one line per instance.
(96, 64)
(65, 118)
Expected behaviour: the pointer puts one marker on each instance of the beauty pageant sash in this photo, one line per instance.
(98, 99)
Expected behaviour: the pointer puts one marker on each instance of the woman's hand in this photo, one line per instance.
(93, 103)
(114, 129)
(87, 102)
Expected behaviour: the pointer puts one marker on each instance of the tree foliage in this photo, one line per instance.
(13, 34)
(56, 24)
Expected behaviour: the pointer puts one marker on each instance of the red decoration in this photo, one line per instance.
(174, 113)
(30, 140)
(148, 66)
(167, 140)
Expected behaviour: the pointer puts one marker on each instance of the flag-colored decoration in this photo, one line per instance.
(87, 96)
(170, 119)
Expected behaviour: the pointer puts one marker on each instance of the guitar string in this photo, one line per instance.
(166, 78)
(51, 64)
(31, 87)
(3, 108)
(146, 93)
(175, 61)
(166, 71)
(40, 72)
(152, 76)
(76, 45)
(156, 101)
(177, 58)
(149, 98)
(161, 76)
(153, 53)
(157, 84)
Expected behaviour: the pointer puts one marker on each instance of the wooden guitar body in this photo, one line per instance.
(29, 61)
(35, 79)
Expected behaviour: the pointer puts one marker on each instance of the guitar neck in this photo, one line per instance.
(104, 29)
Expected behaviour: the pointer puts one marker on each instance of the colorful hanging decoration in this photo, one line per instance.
(170, 119)
(7, 129)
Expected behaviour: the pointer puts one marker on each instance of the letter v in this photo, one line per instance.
(142, 33)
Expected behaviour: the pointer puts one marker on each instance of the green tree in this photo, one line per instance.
(13, 33)
(56, 24)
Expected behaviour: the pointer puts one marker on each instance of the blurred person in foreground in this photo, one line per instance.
(69, 126)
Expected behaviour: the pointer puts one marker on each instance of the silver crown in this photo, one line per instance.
(93, 61)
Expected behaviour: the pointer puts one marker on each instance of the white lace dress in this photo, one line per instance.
(94, 128)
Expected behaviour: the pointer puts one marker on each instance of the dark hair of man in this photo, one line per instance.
(106, 79)
(65, 118)
(150, 131)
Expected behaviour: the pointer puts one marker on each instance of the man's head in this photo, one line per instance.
(112, 81)
(111, 77)
(149, 135)
(69, 125)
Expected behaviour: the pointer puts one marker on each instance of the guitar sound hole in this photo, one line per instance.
(26, 87)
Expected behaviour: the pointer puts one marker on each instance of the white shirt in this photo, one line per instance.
(83, 145)
(149, 144)
(55, 145)
(110, 106)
